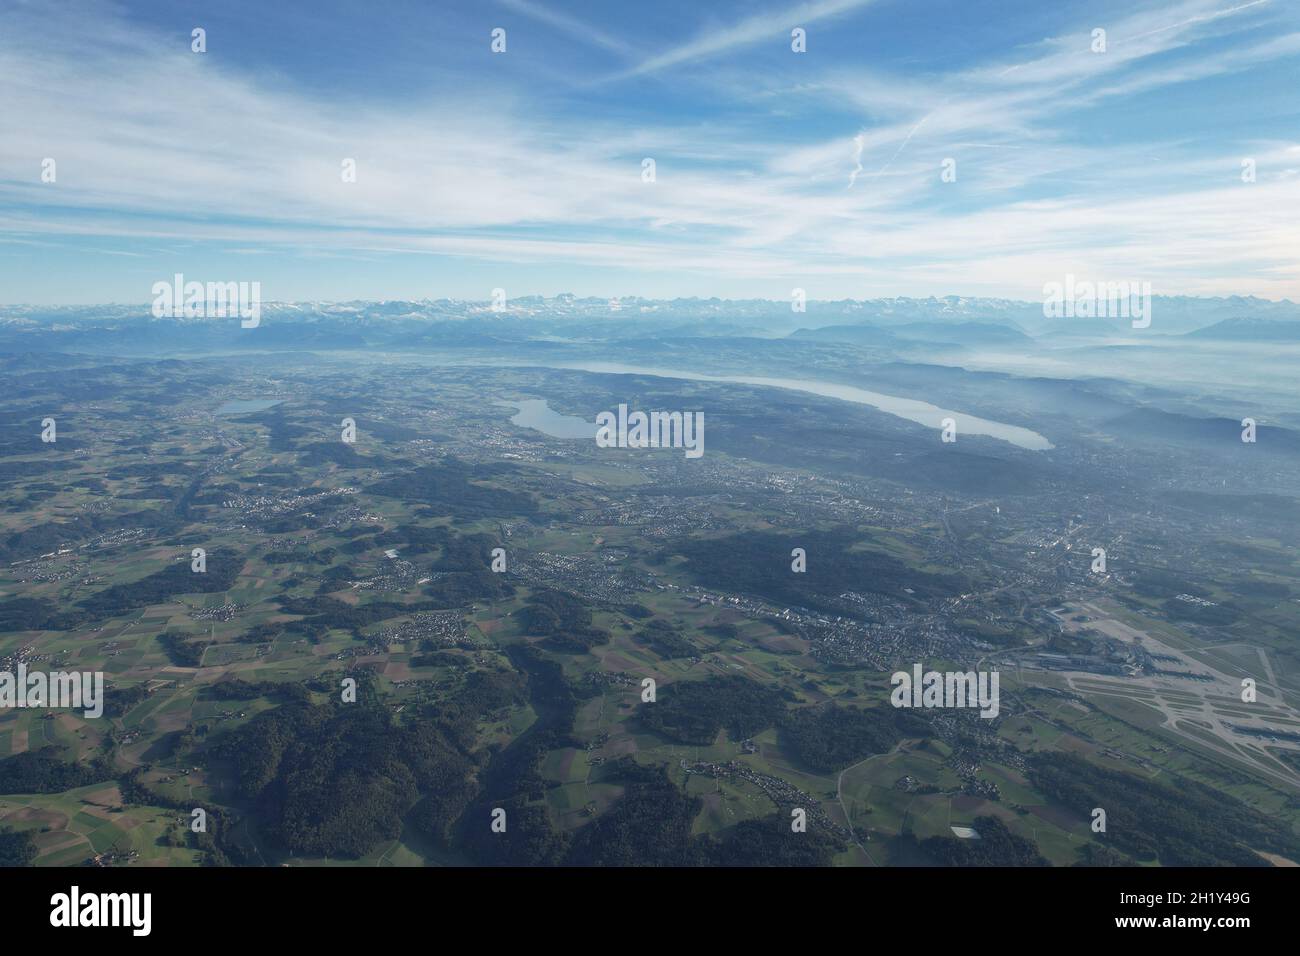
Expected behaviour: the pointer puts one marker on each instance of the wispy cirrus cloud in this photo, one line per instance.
(570, 25)
(751, 29)
(1064, 163)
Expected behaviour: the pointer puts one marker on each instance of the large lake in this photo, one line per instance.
(923, 413)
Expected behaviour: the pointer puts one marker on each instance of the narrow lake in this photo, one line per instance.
(923, 413)
(242, 406)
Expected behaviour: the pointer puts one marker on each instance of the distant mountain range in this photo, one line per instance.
(1222, 435)
(899, 323)
(1249, 330)
(964, 334)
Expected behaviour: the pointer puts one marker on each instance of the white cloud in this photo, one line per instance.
(569, 25)
(772, 25)
(211, 154)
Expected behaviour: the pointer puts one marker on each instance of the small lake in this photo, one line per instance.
(923, 413)
(242, 406)
(535, 413)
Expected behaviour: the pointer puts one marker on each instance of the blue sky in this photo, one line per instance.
(774, 169)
